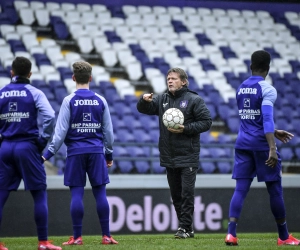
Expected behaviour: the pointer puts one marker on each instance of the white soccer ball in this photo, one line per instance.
(172, 118)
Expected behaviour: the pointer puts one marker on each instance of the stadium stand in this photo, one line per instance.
(132, 47)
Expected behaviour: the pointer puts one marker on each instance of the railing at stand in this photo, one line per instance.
(290, 166)
(152, 158)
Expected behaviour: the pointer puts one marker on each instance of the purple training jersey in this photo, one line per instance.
(251, 95)
(84, 125)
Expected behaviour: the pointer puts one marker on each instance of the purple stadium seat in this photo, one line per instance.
(155, 152)
(118, 123)
(283, 123)
(290, 76)
(203, 39)
(233, 124)
(206, 137)
(131, 123)
(16, 45)
(110, 94)
(287, 110)
(60, 29)
(54, 84)
(179, 26)
(215, 97)
(224, 110)
(112, 36)
(148, 123)
(96, 89)
(41, 59)
(128, 118)
(9, 13)
(207, 88)
(225, 139)
(136, 151)
(207, 64)
(122, 110)
(55, 105)
(224, 167)
(212, 109)
(227, 52)
(219, 153)
(207, 167)
(125, 166)
(4, 19)
(295, 142)
(62, 152)
(204, 153)
(60, 93)
(157, 169)
(232, 102)
(4, 72)
(128, 99)
(286, 153)
(38, 83)
(295, 122)
(154, 134)
(60, 164)
(105, 85)
(142, 167)
(295, 83)
(297, 152)
(65, 73)
(124, 135)
(134, 111)
(49, 94)
(120, 151)
(141, 136)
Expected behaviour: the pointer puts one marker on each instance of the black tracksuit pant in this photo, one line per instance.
(182, 187)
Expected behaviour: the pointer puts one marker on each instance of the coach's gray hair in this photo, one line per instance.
(82, 71)
(182, 74)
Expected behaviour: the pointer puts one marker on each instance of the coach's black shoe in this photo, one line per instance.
(183, 234)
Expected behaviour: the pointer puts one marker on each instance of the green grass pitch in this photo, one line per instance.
(157, 241)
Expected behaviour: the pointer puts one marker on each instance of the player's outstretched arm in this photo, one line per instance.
(283, 135)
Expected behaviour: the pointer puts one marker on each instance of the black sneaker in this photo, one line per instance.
(183, 234)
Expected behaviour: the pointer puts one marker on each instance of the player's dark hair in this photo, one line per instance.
(182, 74)
(82, 72)
(260, 61)
(21, 66)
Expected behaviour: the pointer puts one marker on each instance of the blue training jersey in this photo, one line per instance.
(20, 104)
(84, 125)
(251, 95)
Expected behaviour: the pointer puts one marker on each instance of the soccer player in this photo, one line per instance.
(22, 146)
(255, 148)
(180, 148)
(84, 124)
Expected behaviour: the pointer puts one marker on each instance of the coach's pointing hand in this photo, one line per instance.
(148, 97)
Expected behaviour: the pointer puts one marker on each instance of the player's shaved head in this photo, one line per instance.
(260, 61)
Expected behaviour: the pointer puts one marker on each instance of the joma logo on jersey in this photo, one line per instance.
(86, 102)
(13, 93)
(247, 91)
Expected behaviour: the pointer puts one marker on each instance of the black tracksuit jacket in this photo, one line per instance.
(182, 149)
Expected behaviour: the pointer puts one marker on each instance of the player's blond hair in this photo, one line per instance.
(182, 74)
(82, 72)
